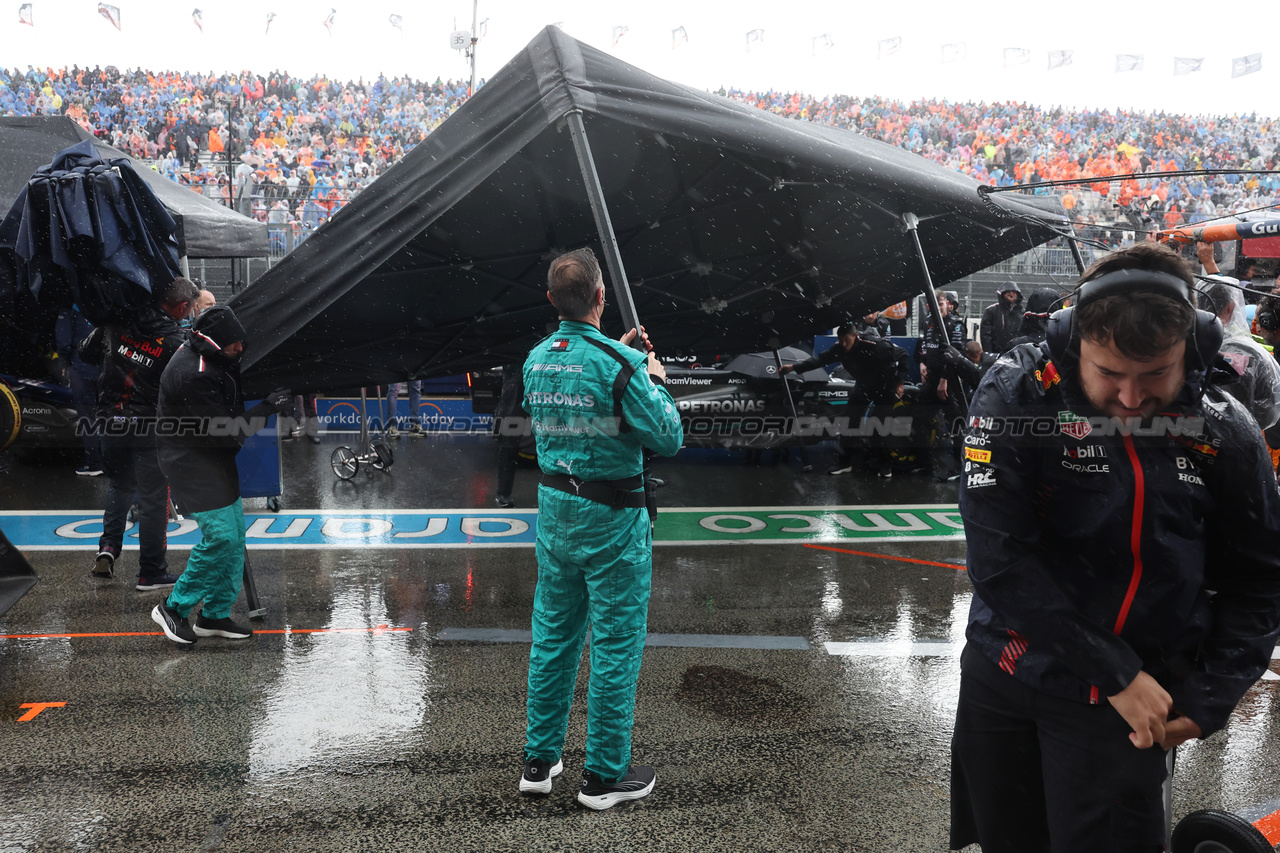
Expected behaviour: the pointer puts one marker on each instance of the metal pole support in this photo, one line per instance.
(791, 404)
(256, 610)
(911, 224)
(1075, 250)
(600, 212)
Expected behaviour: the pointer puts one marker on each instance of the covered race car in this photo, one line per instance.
(741, 403)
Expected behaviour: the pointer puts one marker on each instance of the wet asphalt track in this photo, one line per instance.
(399, 725)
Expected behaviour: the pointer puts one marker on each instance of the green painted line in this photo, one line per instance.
(769, 525)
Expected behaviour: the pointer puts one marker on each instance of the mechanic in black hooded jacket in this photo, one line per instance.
(205, 425)
(1002, 321)
(1094, 640)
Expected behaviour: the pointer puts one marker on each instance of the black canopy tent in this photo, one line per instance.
(739, 230)
(206, 229)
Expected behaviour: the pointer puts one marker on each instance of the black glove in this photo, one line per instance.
(280, 399)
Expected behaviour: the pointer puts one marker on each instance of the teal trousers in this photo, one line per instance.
(215, 569)
(594, 567)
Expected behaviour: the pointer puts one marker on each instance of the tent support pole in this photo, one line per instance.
(791, 404)
(911, 223)
(1075, 250)
(600, 212)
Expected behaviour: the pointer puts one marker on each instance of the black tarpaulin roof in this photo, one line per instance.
(739, 230)
(207, 229)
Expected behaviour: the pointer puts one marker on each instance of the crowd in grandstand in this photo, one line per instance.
(291, 151)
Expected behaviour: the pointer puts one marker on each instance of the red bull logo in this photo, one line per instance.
(1048, 376)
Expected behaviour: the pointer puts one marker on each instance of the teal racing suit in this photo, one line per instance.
(594, 560)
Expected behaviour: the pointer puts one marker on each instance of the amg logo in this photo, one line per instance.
(1088, 451)
(566, 368)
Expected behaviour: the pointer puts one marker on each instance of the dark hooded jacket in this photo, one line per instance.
(1092, 553)
(1035, 320)
(200, 395)
(1001, 322)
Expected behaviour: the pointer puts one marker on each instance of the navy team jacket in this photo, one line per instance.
(1095, 554)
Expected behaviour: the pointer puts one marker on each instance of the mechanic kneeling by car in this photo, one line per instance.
(880, 368)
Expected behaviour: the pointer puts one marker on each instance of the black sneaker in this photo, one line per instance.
(885, 473)
(156, 582)
(104, 566)
(416, 430)
(840, 469)
(175, 627)
(599, 795)
(504, 501)
(228, 627)
(538, 775)
(947, 478)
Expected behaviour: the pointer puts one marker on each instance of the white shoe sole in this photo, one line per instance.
(215, 632)
(607, 801)
(527, 787)
(158, 618)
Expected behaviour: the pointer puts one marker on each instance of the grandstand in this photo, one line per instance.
(291, 152)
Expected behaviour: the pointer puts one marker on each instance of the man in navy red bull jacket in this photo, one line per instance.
(1123, 527)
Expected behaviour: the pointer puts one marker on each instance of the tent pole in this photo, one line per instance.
(1075, 251)
(910, 223)
(600, 212)
(791, 404)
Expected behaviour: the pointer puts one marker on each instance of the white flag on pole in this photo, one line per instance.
(1059, 58)
(1016, 56)
(1246, 65)
(1186, 65)
(1128, 62)
(111, 13)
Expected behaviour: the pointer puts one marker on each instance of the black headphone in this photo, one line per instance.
(1267, 318)
(1206, 334)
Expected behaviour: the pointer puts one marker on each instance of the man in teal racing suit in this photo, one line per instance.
(596, 404)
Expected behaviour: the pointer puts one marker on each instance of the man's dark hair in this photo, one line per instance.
(847, 329)
(176, 292)
(572, 281)
(1141, 324)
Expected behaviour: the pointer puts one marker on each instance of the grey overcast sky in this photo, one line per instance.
(160, 34)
